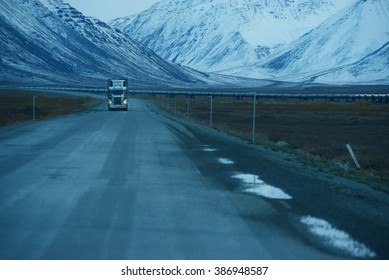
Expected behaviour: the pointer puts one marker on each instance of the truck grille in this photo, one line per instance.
(117, 100)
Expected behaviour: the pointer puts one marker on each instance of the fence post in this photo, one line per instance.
(175, 105)
(187, 109)
(211, 112)
(254, 115)
(33, 107)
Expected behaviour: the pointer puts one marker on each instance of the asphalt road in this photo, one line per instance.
(144, 185)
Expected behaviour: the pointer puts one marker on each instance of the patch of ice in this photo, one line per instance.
(256, 186)
(337, 238)
(225, 161)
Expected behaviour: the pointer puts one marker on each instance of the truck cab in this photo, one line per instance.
(117, 94)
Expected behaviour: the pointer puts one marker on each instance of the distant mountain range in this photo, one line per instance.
(48, 41)
(203, 43)
(324, 41)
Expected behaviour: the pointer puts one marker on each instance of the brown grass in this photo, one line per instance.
(316, 130)
(16, 105)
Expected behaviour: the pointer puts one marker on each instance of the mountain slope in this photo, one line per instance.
(48, 40)
(351, 46)
(372, 69)
(218, 35)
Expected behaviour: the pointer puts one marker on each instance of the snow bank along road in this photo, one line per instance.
(142, 185)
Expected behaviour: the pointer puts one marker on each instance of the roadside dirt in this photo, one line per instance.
(17, 105)
(315, 130)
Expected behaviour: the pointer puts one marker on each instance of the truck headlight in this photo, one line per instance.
(109, 101)
(125, 101)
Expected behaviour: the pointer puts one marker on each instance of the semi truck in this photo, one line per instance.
(118, 94)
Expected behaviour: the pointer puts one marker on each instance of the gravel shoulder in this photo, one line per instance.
(354, 207)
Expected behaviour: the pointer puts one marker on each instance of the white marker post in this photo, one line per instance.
(350, 150)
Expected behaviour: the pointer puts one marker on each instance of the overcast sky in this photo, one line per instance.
(110, 9)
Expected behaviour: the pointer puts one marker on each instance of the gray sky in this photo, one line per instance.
(110, 9)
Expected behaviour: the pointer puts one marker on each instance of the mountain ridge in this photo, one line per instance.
(50, 41)
(212, 35)
(344, 41)
(230, 47)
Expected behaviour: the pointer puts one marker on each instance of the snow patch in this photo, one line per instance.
(254, 185)
(337, 238)
(209, 150)
(225, 161)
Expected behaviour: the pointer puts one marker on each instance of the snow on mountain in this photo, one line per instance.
(222, 35)
(323, 41)
(372, 69)
(50, 41)
(351, 46)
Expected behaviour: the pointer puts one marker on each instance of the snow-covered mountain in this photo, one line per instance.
(351, 47)
(324, 41)
(218, 35)
(50, 41)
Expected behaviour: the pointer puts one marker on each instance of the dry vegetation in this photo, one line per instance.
(315, 130)
(17, 105)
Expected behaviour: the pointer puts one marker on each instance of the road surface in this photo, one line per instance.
(144, 185)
